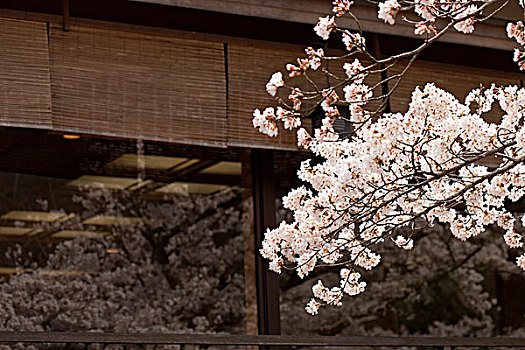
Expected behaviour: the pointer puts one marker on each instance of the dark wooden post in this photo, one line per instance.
(249, 248)
(65, 15)
(263, 176)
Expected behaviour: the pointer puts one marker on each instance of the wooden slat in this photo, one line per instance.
(25, 94)
(118, 83)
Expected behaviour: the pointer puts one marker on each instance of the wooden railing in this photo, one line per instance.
(280, 341)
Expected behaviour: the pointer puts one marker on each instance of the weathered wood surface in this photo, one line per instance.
(269, 340)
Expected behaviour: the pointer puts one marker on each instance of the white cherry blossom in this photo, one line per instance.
(325, 26)
(276, 81)
(388, 11)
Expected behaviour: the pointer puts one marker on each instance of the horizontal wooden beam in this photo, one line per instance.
(268, 340)
(490, 34)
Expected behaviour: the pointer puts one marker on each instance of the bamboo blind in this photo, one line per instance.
(25, 95)
(155, 87)
(249, 69)
(125, 84)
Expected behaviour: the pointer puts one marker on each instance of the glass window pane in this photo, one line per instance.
(119, 235)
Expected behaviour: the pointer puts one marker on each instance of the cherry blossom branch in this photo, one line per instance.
(392, 170)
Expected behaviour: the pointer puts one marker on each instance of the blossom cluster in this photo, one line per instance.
(403, 170)
(395, 170)
(517, 31)
(267, 120)
(388, 11)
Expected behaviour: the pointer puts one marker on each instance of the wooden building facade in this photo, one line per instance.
(155, 98)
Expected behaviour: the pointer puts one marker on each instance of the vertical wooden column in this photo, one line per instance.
(250, 277)
(65, 15)
(376, 45)
(263, 176)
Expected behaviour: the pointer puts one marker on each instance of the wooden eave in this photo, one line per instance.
(490, 34)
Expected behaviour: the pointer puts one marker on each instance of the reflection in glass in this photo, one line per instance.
(95, 236)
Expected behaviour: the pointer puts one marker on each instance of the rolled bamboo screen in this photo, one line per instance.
(249, 69)
(126, 84)
(158, 87)
(25, 94)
